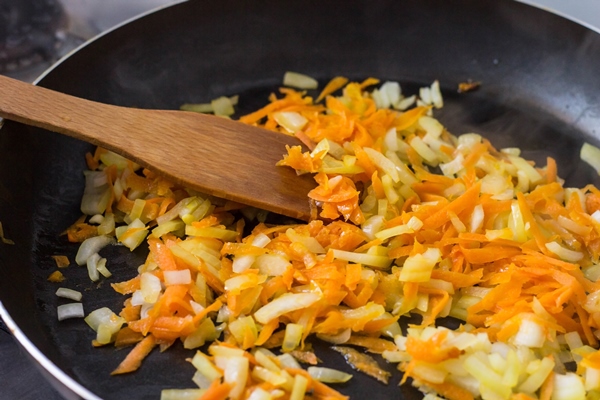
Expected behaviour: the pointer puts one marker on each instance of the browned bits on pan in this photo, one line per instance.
(363, 363)
(56, 277)
(468, 86)
(61, 261)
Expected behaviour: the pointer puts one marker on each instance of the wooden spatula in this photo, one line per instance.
(214, 155)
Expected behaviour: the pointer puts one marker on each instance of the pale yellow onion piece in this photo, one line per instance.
(236, 373)
(266, 375)
(536, 379)
(96, 219)
(240, 327)
(530, 334)
(292, 121)
(390, 191)
(242, 263)
(406, 176)
(486, 376)
(591, 155)
(292, 337)
(181, 394)
(101, 267)
(425, 95)
(395, 231)
(418, 268)
(167, 227)
(136, 210)
(384, 163)
(92, 267)
(381, 262)
(469, 140)
(299, 81)
(405, 103)
(592, 378)
(453, 167)
(222, 106)
(107, 226)
(150, 287)
(522, 164)
(373, 225)
(431, 125)
(206, 367)
(71, 310)
(310, 242)
(424, 151)
(369, 311)
(177, 277)
(392, 90)
(91, 246)
(106, 324)
(477, 218)
(288, 361)
(390, 140)
(218, 233)
(284, 304)
(265, 357)
(261, 240)
(592, 303)
(259, 393)
(573, 226)
(272, 264)
(340, 338)
(69, 294)
(299, 389)
(328, 375)
(563, 253)
(573, 340)
(436, 95)
(174, 212)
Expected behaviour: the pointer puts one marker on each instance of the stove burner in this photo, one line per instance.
(31, 33)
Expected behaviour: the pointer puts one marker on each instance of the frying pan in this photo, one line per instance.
(540, 91)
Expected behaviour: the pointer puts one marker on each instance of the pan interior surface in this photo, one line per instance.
(539, 92)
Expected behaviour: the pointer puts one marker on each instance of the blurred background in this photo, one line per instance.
(34, 34)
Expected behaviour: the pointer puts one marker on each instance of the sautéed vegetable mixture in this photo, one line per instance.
(408, 219)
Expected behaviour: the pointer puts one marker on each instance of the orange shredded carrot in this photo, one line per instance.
(217, 391)
(135, 357)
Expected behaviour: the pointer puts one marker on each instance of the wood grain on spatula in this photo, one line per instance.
(214, 155)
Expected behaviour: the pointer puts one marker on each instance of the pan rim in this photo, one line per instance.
(562, 14)
(43, 361)
(18, 334)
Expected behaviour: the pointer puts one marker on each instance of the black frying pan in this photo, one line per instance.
(540, 91)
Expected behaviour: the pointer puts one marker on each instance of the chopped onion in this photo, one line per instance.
(71, 310)
(91, 246)
(284, 304)
(261, 240)
(222, 106)
(150, 287)
(292, 337)
(299, 81)
(290, 120)
(92, 267)
(328, 375)
(69, 294)
(181, 394)
(179, 277)
(563, 253)
(340, 338)
(591, 155)
(96, 193)
(101, 267)
(242, 263)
